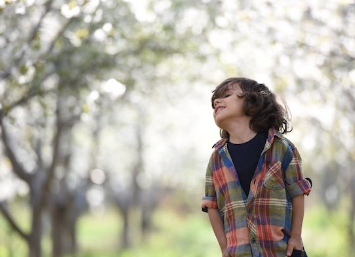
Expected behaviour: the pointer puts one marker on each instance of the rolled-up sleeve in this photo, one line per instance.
(210, 199)
(296, 184)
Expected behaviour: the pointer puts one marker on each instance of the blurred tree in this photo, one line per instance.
(69, 50)
(57, 57)
(40, 68)
(329, 38)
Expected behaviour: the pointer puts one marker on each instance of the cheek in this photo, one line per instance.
(239, 107)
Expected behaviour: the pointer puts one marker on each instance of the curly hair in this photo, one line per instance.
(259, 103)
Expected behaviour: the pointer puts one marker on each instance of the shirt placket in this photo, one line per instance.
(256, 251)
(227, 160)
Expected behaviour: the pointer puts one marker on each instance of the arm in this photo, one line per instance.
(217, 226)
(296, 187)
(209, 204)
(295, 241)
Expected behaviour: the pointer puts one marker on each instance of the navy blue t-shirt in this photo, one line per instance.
(245, 158)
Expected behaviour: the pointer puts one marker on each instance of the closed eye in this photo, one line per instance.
(219, 97)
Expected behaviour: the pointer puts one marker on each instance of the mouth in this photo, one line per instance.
(218, 109)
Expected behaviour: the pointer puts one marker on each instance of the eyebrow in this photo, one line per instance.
(224, 91)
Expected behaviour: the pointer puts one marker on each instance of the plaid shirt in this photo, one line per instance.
(258, 224)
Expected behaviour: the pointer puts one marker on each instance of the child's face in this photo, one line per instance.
(228, 107)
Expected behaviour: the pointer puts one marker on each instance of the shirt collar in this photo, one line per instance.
(270, 139)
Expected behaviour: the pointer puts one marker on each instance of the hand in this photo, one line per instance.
(225, 253)
(294, 243)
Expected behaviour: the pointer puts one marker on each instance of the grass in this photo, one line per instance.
(324, 233)
(173, 235)
(176, 234)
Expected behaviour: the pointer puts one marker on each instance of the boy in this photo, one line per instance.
(254, 192)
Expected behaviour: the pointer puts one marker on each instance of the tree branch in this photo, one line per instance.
(60, 33)
(351, 98)
(16, 165)
(37, 148)
(7, 72)
(11, 221)
(30, 93)
(55, 153)
(24, 99)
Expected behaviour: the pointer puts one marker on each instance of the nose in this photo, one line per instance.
(216, 101)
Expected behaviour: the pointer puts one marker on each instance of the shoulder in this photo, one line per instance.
(220, 143)
(214, 155)
(279, 140)
(282, 142)
(283, 149)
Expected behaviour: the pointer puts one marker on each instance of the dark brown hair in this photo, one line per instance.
(259, 103)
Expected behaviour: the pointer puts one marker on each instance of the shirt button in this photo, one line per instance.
(253, 240)
(249, 210)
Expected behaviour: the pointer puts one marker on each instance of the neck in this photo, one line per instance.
(240, 132)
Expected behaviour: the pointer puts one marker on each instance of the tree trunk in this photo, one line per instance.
(146, 221)
(72, 237)
(34, 243)
(125, 242)
(58, 226)
(63, 230)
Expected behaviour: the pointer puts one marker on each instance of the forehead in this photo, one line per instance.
(224, 89)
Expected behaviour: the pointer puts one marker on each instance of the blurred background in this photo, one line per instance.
(107, 128)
